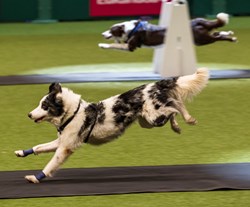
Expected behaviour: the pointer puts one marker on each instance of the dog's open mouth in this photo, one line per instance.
(39, 119)
(108, 37)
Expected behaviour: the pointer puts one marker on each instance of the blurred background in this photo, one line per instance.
(75, 10)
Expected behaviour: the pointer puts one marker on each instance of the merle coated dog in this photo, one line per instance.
(78, 121)
(133, 34)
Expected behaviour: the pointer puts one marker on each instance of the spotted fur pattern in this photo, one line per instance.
(153, 105)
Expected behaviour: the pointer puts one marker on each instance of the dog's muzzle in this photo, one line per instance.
(37, 120)
(107, 34)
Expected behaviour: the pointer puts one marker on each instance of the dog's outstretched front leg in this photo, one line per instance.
(58, 159)
(41, 148)
(115, 46)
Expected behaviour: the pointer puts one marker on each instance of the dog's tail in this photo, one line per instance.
(191, 85)
(223, 17)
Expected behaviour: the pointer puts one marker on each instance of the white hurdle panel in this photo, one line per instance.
(177, 56)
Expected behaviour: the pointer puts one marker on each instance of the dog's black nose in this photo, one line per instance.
(29, 115)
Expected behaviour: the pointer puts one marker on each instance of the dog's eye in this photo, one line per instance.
(45, 106)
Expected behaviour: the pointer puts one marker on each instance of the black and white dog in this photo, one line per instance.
(78, 121)
(132, 34)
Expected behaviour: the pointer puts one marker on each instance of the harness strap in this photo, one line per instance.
(61, 128)
(141, 24)
(94, 106)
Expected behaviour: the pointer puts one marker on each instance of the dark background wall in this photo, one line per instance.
(73, 10)
(211, 7)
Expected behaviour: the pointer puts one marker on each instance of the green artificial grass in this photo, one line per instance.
(186, 199)
(26, 47)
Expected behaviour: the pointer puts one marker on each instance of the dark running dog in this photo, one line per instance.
(78, 121)
(136, 33)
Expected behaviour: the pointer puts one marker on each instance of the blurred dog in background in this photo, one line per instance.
(134, 34)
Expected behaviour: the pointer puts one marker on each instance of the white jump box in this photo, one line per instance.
(177, 57)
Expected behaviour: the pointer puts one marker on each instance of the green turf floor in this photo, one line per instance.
(28, 47)
(222, 110)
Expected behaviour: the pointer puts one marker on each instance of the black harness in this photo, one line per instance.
(94, 107)
(142, 25)
(61, 128)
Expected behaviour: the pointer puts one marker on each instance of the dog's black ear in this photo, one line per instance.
(117, 31)
(55, 87)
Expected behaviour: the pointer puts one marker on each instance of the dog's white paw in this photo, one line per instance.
(31, 179)
(226, 33)
(104, 45)
(234, 39)
(19, 153)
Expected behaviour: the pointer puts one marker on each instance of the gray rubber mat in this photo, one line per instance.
(123, 180)
(108, 77)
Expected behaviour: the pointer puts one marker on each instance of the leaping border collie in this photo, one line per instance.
(134, 34)
(78, 121)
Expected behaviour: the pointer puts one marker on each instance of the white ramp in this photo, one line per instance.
(177, 57)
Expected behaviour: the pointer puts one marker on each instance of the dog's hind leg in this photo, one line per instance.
(226, 33)
(58, 159)
(184, 112)
(174, 124)
(220, 36)
(41, 148)
(157, 118)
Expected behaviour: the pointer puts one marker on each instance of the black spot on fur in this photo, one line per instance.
(120, 118)
(169, 103)
(127, 106)
(161, 90)
(117, 31)
(157, 106)
(53, 105)
(132, 95)
(101, 113)
(161, 120)
(91, 114)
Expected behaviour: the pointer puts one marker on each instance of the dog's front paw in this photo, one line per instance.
(24, 153)
(19, 153)
(32, 179)
(234, 39)
(104, 45)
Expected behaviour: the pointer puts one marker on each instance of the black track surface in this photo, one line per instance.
(108, 77)
(120, 180)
